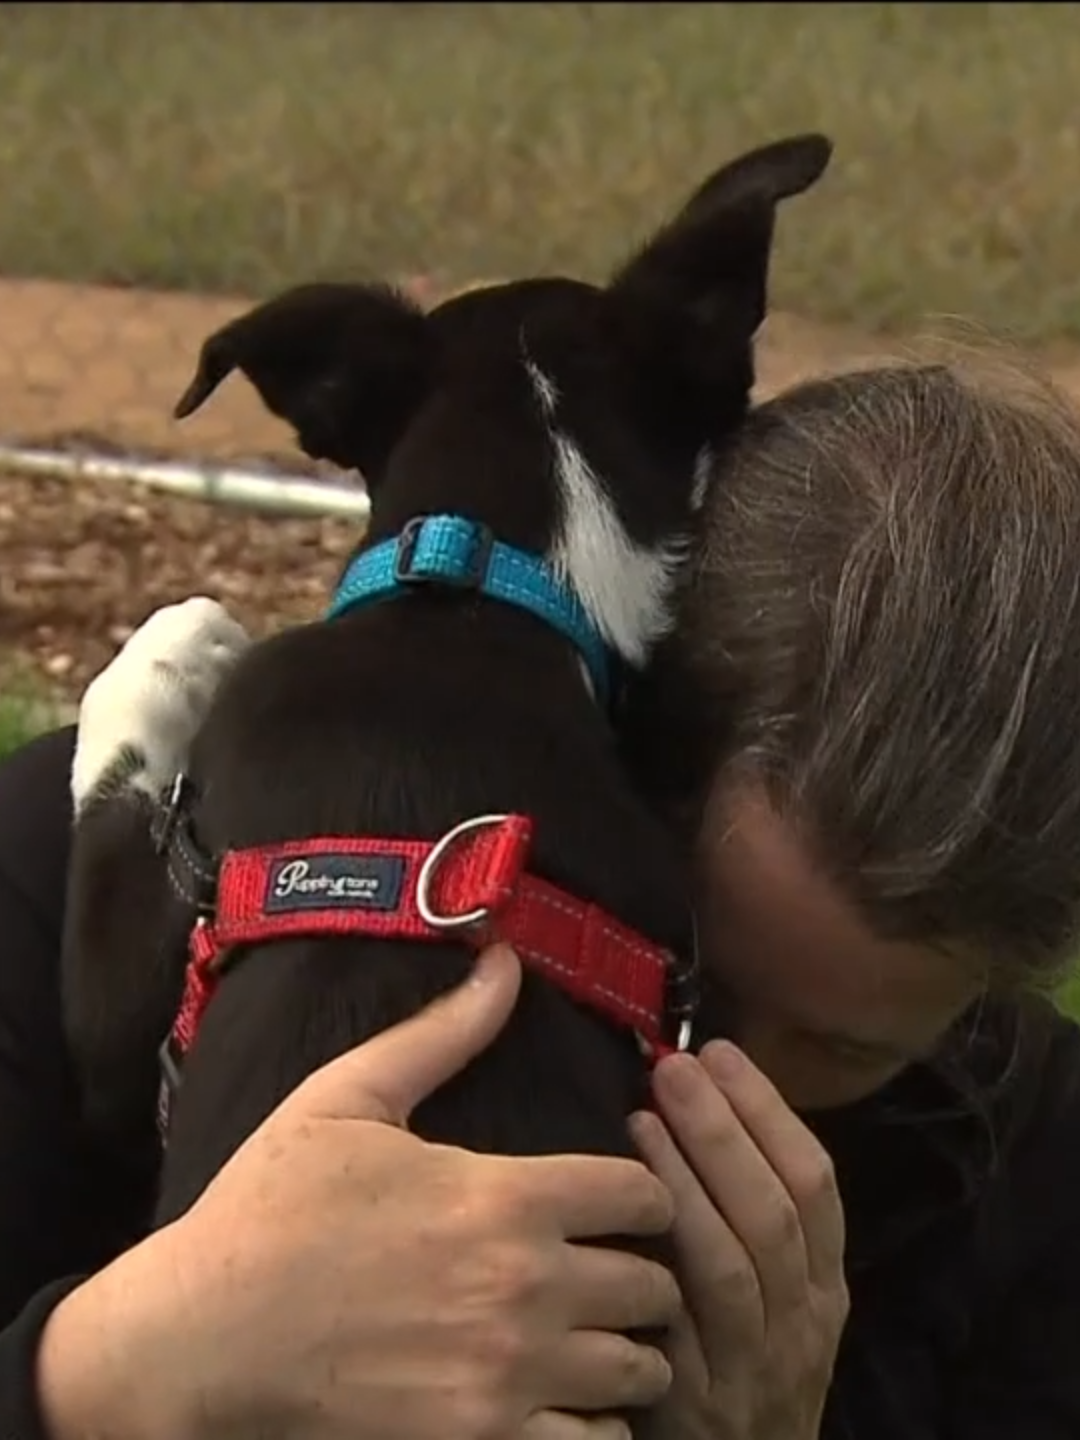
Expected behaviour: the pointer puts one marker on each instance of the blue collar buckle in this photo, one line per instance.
(462, 565)
(461, 554)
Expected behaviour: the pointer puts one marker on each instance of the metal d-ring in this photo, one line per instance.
(168, 813)
(688, 1004)
(427, 870)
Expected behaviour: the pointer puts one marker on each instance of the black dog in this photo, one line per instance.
(563, 433)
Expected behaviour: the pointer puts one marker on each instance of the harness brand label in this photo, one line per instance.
(334, 881)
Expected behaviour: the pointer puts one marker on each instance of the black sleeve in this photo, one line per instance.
(54, 1216)
(1022, 1377)
(20, 1412)
(1026, 1385)
(44, 1204)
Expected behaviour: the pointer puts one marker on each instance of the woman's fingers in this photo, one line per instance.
(738, 1178)
(793, 1153)
(614, 1290)
(596, 1370)
(557, 1425)
(719, 1281)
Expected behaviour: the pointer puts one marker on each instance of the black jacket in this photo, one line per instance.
(961, 1184)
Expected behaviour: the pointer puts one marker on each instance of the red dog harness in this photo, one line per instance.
(471, 884)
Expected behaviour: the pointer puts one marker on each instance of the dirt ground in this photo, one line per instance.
(82, 564)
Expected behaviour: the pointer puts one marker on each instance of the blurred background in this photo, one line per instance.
(163, 165)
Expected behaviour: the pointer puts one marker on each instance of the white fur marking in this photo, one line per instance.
(546, 390)
(625, 587)
(703, 467)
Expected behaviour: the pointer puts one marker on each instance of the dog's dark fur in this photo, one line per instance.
(403, 718)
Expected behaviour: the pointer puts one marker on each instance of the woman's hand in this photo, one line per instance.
(340, 1279)
(759, 1232)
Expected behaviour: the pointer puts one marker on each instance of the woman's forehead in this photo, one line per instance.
(786, 939)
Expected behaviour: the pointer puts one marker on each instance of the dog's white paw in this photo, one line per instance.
(140, 714)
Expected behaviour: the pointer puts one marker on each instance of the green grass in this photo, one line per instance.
(240, 148)
(21, 718)
(1069, 997)
(27, 706)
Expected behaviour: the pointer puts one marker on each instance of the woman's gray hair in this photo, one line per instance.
(882, 623)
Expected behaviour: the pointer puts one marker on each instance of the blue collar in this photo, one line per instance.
(461, 554)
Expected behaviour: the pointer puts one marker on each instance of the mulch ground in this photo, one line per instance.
(82, 564)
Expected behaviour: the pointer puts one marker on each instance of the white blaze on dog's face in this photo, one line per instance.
(625, 587)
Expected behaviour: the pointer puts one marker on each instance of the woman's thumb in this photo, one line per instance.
(389, 1075)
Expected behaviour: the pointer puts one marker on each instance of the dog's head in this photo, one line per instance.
(576, 421)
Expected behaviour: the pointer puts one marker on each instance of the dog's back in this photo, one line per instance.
(404, 747)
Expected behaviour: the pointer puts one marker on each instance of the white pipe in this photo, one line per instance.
(218, 484)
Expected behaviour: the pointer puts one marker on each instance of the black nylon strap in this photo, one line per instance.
(193, 872)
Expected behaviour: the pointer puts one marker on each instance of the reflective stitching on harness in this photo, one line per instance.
(178, 880)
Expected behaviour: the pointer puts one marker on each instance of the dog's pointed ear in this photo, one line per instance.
(711, 261)
(345, 365)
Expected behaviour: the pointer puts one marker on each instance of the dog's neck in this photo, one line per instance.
(609, 594)
(451, 552)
